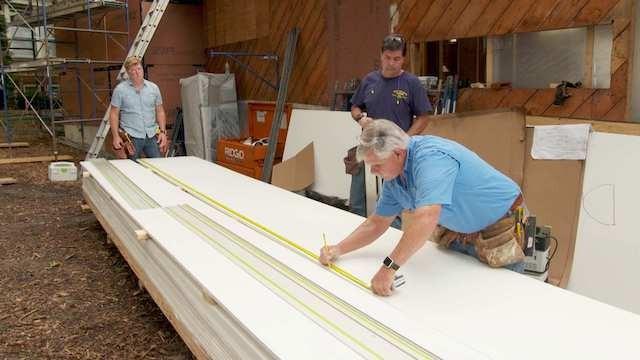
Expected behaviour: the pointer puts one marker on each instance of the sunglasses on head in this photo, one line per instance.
(394, 42)
(394, 39)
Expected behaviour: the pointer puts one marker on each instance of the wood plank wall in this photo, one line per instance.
(308, 82)
(236, 20)
(429, 20)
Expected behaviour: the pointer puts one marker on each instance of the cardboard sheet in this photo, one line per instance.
(496, 135)
(552, 190)
(296, 173)
(607, 253)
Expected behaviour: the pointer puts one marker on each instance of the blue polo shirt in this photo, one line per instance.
(137, 108)
(472, 193)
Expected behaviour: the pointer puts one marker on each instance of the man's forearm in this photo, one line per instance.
(416, 234)
(114, 120)
(365, 234)
(419, 124)
(161, 118)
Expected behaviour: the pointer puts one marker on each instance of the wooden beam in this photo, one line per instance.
(422, 57)
(478, 54)
(34, 159)
(489, 64)
(7, 181)
(14, 144)
(624, 128)
(440, 60)
(413, 58)
(587, 78)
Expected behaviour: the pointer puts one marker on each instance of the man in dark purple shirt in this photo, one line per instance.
(392, 94)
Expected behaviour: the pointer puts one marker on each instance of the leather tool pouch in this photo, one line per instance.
(498, 245)
(127, 149)
(351, 164)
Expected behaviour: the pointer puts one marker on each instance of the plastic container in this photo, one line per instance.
(63, 171)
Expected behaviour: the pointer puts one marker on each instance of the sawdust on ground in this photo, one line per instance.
(66, 293)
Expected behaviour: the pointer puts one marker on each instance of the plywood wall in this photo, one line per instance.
(231, 21)
(430, 20)
(308, 83)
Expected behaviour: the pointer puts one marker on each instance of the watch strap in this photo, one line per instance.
(389, 263)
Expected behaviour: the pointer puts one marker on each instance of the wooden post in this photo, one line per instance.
(422, 52)
(489, 61)
(478, 54)
(587, 77)
(440, 59)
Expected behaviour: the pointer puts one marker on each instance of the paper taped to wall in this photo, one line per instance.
(560, 142)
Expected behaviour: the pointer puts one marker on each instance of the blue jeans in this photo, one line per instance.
(358, 197)
(357, 193)
(148, 145)
(470, 249)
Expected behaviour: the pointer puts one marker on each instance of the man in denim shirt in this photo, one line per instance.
(439, 182)
(136, 107)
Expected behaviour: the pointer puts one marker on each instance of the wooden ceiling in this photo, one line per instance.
(427, 20)
(431, 20)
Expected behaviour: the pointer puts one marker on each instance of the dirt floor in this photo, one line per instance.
(64, 292)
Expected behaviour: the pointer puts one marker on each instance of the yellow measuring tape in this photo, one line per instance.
(252, 223)
(190, 217)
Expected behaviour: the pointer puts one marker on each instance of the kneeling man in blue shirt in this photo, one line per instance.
(453, 196)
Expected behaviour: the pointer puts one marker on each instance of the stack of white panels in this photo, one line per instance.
(232, 290)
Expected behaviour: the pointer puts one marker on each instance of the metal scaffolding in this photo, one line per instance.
(42, 19)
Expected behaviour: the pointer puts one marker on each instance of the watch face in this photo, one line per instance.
(387, 262)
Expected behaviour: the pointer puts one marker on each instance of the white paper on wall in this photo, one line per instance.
(560, 142)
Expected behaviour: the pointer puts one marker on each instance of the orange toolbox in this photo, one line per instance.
(249, 159)
(234, 151)
(260, 117)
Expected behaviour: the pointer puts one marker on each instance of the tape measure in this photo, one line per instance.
(252, 223)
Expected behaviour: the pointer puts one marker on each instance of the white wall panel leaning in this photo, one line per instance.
(607, 255)
(230, 261)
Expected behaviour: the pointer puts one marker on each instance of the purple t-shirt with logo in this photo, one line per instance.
(397, 99)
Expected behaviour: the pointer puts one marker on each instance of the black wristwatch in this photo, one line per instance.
(390, 264)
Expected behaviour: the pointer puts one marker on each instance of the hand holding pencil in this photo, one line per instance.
(328, 253)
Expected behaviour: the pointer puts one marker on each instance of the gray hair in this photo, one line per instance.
(381, 137)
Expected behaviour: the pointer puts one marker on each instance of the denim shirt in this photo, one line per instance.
(137, 108)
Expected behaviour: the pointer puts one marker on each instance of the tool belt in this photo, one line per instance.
(497, 245)
(351, 163)
(127, 150)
